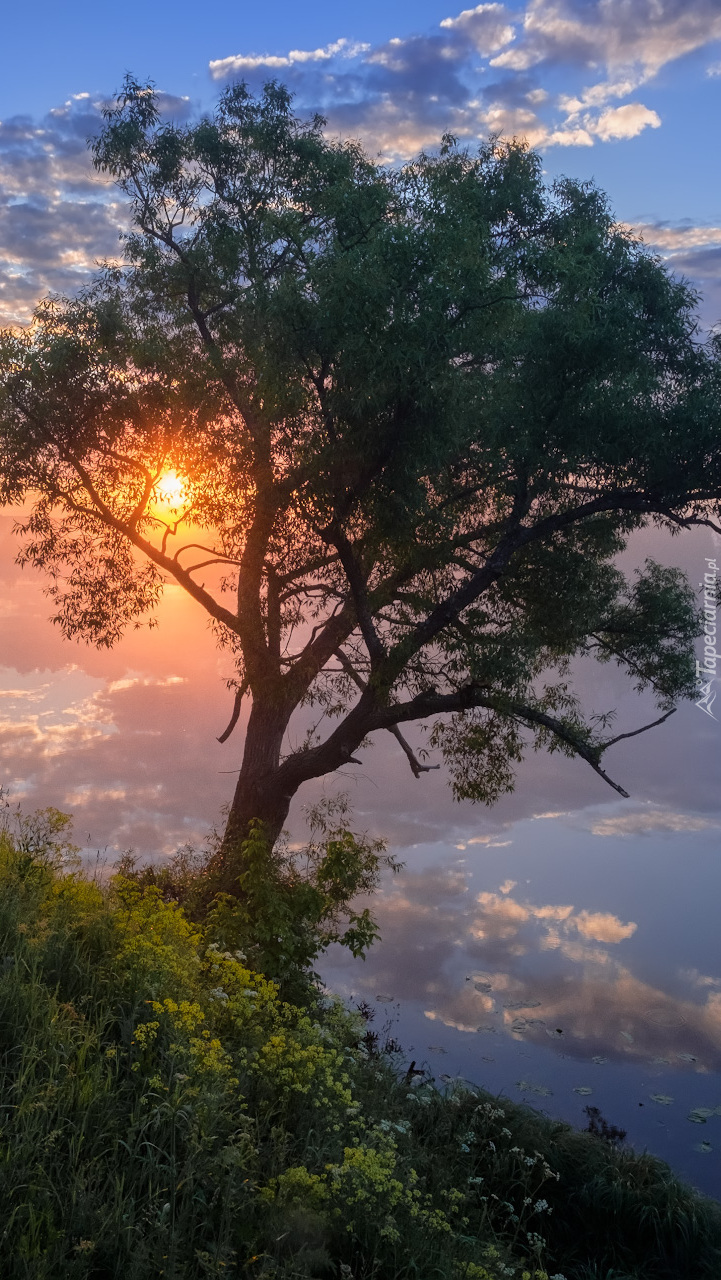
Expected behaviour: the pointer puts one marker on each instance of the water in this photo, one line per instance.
(565, 966)
(578, 930)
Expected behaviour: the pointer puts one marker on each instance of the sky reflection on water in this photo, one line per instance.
(581, 964)
(580, 932)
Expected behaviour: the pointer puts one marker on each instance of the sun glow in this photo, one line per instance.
(170, 491)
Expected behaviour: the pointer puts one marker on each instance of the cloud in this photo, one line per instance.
(488, 27)
(581, 995)
(624, 122)
(504, 918)
(668, 239)
(485, 70)
(221, 68)
(488, 69)
(649, 822)
(692, 252)
(58, 216)
(603, 926)
(640, 34)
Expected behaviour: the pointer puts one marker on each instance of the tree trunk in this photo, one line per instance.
(265, 786)
(259, 795)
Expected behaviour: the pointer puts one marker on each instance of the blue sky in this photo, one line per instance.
(622, 91)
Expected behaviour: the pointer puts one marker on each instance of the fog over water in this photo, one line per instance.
(562, 947)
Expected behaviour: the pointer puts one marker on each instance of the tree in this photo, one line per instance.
(412, 416)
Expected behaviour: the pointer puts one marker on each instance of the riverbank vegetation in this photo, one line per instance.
(166, 1109)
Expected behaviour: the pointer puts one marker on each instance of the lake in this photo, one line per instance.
(562, 948)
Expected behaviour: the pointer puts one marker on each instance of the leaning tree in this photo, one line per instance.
(413, 415)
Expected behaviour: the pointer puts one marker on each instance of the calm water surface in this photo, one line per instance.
(567, 966)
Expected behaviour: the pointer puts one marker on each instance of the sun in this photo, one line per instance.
(170, 490)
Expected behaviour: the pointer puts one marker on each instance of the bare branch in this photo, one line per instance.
(239, 695)
(416, 767)
(610, 742)
(200, 546)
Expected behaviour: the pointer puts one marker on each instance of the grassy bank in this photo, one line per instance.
(164, 1112)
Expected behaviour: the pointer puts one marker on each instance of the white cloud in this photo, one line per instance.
(642, 35)
(58, 217)
(602, 926)
(488, 27)
(569, 138)
(674, 239)
(646, 822)
(624, 122)
(222, 68)
(403, 94)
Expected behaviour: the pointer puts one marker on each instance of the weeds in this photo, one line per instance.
(165, 1112)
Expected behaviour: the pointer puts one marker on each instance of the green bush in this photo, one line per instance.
(165, 1112)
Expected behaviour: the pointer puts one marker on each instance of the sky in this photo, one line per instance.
(624, 92)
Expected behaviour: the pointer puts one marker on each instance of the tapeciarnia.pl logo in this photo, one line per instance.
(706, 670)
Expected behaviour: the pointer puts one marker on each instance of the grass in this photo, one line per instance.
(164, 1111)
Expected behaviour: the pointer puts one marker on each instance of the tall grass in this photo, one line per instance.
(163, 1112)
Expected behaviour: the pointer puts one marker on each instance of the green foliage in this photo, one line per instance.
(289, 905)
(164, 1112)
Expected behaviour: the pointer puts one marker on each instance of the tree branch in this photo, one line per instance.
(416, 767)
(108, 517)
(359, 591)
(610, 742)
(239, 695)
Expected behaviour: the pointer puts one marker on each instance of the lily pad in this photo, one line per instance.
(703, 1148)
(685, 1057)
(436, 1048)
(482, 984)
(700, 1115)
(385, 999)
(627, 1036)
(663, 1099)
(599, 1060)
(583, 1089)
(526, 1086)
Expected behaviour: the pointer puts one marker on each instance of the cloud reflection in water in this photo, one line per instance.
(535, 972)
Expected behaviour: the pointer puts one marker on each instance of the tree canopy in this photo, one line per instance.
(413, 415)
